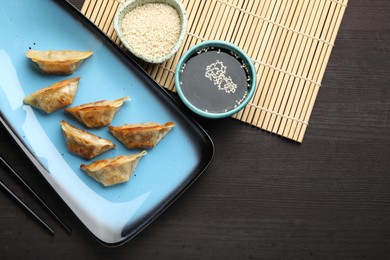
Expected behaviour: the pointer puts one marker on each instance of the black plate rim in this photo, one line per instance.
(208, 150)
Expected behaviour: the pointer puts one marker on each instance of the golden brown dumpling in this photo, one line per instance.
(84, 143)
(97, 114)
(61, 62)
(54, 97)
(113, 170)
(146, 135)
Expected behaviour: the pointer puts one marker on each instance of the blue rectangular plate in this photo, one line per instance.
(112, 214)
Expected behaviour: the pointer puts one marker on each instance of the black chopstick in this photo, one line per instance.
(67, 229)
(49, 229)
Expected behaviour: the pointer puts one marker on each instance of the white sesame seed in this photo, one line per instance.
(152, 29)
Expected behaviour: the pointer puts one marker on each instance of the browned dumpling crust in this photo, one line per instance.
(97, 114)
(60, 62)
(54, 97)
(115, 170)
(83, 143)
(145, 135)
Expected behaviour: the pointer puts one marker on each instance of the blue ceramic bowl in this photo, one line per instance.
(128, 6)
(215, 79)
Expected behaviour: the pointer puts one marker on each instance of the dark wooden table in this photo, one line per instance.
(263, 197)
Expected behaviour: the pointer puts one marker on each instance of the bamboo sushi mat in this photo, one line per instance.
(289, 41)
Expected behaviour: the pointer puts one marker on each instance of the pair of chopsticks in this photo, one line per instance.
(21, 203)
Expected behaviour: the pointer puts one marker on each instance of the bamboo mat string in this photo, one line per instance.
(305, 24)
(249, 112)
(272, 22)
(304, 65)
(289, 42)
(278, 73)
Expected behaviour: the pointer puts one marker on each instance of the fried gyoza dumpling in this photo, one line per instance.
(146, 135)
(84, 143)
(113, 170)
(97, 114)
(54, 97)
(61, 62)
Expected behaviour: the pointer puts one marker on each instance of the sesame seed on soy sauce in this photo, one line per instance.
(215, 80)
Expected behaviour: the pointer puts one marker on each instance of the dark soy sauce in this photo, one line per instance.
(215, 80)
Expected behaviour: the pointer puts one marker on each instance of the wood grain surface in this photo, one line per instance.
(263, 197)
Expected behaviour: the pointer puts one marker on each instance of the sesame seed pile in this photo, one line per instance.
(152, 29)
